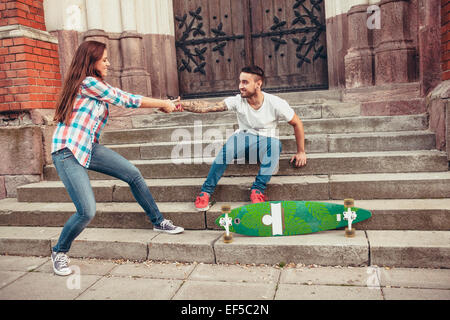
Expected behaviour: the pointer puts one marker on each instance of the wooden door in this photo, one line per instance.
(216, 38)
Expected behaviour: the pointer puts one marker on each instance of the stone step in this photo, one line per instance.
(224, 127)
(314, 143)
(403, 214)
(293, 98)
(383, 92)
(318, 163)
(306, 110)
(411, 249)
(421, 185)
(312, 110)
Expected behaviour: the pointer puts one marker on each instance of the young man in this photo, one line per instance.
(256, 140)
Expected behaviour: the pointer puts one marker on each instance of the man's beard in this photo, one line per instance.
(248, 94)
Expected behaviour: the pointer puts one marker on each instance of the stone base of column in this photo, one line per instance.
(359, 68)
(395, 62)
(136, 82)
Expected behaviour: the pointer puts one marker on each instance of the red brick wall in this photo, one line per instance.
(30, 76)
(29, 13)
(445, 30)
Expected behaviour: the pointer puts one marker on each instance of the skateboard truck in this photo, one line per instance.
(226, 223)
(350, 216)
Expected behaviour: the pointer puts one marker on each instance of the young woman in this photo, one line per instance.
(81, 113)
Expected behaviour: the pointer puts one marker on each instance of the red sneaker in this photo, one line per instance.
(202, 202)
(257, 196)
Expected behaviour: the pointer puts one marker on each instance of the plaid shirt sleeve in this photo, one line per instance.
(99, 90)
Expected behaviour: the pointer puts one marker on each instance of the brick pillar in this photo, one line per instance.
(30, 81)
(445, 39)
(30, 77)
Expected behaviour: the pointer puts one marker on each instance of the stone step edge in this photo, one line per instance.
(376, 204)
(227, 122)
(310, 179)
(361, 135)
(312, 156)
(415, 214)
(420, 185)
(232, 125)
(409, 249)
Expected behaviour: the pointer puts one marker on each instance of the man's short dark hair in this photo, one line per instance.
(254, 70)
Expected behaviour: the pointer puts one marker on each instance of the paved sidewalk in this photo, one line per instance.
(32, 278)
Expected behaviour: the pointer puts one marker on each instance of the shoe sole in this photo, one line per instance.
(203, 209)
(61, 273)
(169, 232)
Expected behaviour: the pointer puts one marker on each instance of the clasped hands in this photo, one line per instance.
(172, 105)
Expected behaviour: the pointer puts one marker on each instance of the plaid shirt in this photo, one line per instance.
(89, 116)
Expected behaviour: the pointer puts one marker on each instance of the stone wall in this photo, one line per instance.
(438, 101)
(385, 53)
(139, 36)
(445, 34)
(30, 81)
(403, 48)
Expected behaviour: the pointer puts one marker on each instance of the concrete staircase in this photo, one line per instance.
(388, 164)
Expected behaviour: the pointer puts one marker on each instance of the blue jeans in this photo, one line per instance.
(76, 180)
(251, 148)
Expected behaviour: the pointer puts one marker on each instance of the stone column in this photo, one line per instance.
(94, 15)
(359, 57)
(395, 56)
(96, 32)
(134, 77)
(429, 44)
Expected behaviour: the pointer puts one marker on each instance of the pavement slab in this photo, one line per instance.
(348, 276)
(44, 286)
(235, 273)
(415, 278)
(32, 278)
(220, 290)
(316, 292)
(154, 270)
(415, 294)
(131, 288)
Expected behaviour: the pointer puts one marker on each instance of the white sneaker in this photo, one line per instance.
(168, 227)
(60, 263)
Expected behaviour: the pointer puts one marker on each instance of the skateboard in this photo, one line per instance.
(287, 218)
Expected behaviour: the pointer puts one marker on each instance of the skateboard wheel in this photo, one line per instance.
(348, 203)
(226, 208)
(227, 239)
(350, 233)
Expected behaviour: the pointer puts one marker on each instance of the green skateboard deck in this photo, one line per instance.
(287, 218)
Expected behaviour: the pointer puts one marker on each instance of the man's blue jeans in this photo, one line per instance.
(251, 148)
(76, 180)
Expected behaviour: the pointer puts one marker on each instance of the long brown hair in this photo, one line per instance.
(82, 66)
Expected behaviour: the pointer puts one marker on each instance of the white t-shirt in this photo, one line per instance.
(264, 120)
